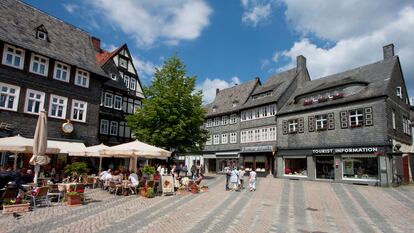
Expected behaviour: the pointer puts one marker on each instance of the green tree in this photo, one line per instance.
(172, 113)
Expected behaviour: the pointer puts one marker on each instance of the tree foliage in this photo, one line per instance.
(172, 113)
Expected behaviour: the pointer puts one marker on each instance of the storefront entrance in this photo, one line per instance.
(325, 167)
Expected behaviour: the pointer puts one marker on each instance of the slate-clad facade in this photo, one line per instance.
(345, 127)
(47, 64)
(120, 96)
(242, 124)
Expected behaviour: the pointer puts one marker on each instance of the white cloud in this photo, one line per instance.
(69, 7)
(351, 49)
(209, 86)
(256, 14)
(151, 21)
(145, 69)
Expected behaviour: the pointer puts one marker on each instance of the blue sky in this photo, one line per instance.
(228, 42)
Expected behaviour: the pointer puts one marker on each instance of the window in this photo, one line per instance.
(243, 137)
(356, 118)
(224, 138)
(296, 167)
(209, 123)
(126, 81)
(121, 130)
(398, 91)
(104, 128)
(243, 116)
(9, 96)
(216, 139)
(272, 134)
(113, 130)
(216, 121)
(293, 126)
(394, 125)
(123, 62)
(265, 135)
(82, 78)
(133, 84)
(113, 76)
(79, 109)
(224, 120)
(358, 167)
(233, 119)
(34, 101)
(57, 106)
(233, 137)
(62, 72)
(108, 100)
(410, 128)
(214, 109)
(257, 135)
(321, 122)
(118, 102)
(41, 35)
(39, 65)
(12, 56)
(250, 136)
(407, 126)
(209, 140)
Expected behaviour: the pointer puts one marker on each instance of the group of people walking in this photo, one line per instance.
(235, 179)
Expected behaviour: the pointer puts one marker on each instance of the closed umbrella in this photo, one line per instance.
(40, 145)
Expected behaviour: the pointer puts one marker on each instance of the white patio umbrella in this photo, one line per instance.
(40, 145)
(136, 149)
(18, 144)
(92, 151)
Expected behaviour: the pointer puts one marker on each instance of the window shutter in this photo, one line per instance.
(344, 120)
(301, 125)
(311, 123)
(331, 121)
(285, 127)
(369, 119)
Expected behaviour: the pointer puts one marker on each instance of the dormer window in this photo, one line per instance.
(214, 109)
(41, 33)
(398, 91)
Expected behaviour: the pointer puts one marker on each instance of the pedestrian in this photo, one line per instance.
(227, 172)
(193, 171)
(241, 178)
(252, 180)
(185, 170)
(234, 179)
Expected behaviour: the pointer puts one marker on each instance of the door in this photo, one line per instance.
(325, 167)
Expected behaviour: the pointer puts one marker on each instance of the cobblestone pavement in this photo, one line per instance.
(278, 205)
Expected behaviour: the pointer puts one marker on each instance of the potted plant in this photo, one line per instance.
(142, 191)
(76, 169)
(181, 190)
(194, 189)
(150, 193)
(338, 95)
(307, 102)
(73, 198)
(149, 170)
(18, 205)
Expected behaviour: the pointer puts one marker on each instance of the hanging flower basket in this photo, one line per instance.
(17, 208)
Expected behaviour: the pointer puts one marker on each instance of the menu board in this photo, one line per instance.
(167, 185)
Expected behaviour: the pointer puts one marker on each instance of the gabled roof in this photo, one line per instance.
(223, 102)
(277, 84)
(71, 45)
(374, 79)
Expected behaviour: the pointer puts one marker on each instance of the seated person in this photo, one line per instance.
(133, 179)
(28, 177)
(103, 175)
(116, 176)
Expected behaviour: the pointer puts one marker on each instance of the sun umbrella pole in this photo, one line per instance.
(36, 171)
(100, 164)
(15, 162)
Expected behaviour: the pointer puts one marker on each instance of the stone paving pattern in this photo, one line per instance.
(278, 205)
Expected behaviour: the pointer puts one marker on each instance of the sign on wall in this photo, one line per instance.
(346, 150)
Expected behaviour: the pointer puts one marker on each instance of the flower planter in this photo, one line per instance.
(74, 200)
(143, 192)
(181, 192)
(18, 208)
(194, 190)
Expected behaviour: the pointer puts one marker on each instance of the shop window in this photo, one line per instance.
(296, 167)
(325, 167)
(360, 167)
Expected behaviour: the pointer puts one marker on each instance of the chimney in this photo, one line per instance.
(388, 51)
(300, 63)
(96, 42)
(217, 91)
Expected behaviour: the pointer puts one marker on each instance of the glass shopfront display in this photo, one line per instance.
(296, 166)
(261, 164)
(325, 167)
(248, 162)
(360, 167)
(227, 163)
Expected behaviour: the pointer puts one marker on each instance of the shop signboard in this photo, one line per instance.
(348, 150)
(257, 149)
(167, 185)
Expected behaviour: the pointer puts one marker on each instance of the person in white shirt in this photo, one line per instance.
(252, 180)
(241, 178)
(103, 174)
(133, 179)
